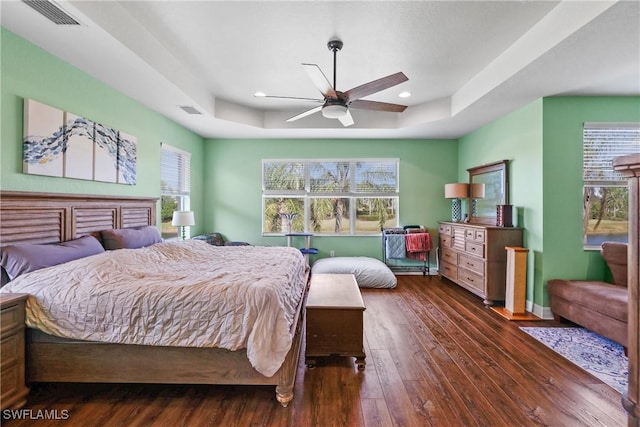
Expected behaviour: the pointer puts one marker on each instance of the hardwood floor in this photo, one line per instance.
(435, 357)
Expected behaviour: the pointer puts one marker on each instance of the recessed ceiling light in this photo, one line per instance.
(404, 94)
(259, 94)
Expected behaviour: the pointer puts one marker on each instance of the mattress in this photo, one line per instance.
(185, 294)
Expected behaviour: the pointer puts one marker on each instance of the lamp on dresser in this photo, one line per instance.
(456, 192)
(183, 219)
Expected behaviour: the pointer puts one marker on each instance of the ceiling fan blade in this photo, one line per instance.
(346, 120)
(305, 114)
(291, 97)
(375, 86)
(320, 80)
(363, 104)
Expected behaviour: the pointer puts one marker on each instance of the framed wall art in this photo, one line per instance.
(62, 144)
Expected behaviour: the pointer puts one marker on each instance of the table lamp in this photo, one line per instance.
(183, 219)
(455, 192)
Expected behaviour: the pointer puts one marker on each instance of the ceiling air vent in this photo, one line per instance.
(51, 11)
(189, 109)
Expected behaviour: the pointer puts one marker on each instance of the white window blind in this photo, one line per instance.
(603, 142)
(175, 171)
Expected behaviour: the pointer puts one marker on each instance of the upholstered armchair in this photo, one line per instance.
(596, 305)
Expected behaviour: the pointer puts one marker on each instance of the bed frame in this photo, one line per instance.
(53, 218)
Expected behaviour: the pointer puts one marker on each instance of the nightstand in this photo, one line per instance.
(14, 391)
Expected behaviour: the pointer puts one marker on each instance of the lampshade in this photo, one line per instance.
(183, 218)
(457, 190)
(477, 191)
(334, 111)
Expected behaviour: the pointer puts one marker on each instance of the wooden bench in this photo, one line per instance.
(334, 318)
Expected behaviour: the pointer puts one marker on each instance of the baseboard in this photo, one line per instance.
(540, 311)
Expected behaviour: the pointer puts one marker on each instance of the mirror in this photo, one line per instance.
(494, 178)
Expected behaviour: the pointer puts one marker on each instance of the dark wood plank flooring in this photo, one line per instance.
(435, 357)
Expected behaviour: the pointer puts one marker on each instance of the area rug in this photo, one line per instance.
(596, 354)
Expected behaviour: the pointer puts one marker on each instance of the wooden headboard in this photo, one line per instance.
(54, 217)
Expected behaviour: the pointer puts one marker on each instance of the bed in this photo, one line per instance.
(138, 354)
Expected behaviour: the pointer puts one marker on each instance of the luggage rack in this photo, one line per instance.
(412, 260)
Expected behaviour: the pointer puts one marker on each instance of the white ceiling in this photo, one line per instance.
(468, 62)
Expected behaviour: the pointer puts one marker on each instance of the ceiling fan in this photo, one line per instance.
(336, 104)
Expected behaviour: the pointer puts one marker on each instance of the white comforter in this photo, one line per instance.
(187, 294)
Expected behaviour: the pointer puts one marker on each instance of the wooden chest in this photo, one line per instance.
(334, 318)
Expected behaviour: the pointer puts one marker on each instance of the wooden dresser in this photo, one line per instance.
(474, 257)
(12, 328)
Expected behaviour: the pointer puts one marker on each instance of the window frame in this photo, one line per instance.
(307, 194)
(182, 174)
(598, 173)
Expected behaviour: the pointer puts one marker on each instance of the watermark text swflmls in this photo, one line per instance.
(35, 414)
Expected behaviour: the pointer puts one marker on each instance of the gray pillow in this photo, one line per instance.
(25, 257)
(130, 238)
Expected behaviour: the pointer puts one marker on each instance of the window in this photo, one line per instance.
(175, 175)
(331, 197)
(605, 193)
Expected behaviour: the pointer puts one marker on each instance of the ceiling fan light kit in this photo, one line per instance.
(334, 111)
(336, 104)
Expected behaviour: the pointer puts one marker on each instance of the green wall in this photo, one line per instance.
(517, 137)
(543, 142)
(233, 185)
(30, 72)
(564, 117)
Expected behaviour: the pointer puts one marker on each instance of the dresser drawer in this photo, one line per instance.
(11, 350)
(449, 256)
(471, 279)
(476, 249)
(444, 229)
(10, 383)
(479, 236)
(474, 264)
(449, 271)
(12, 317)
(445, 241)
(458, 238)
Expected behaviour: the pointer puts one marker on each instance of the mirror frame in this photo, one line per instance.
(502, 167)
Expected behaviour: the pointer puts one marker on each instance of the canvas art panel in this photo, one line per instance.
(127, 158)
(78, 157)
(43, 143)
(105, 166)
(63, 144)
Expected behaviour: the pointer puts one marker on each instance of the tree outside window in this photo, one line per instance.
(605, 193)
(333, 197)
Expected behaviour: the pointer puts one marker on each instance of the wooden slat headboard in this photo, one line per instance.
(53, 217)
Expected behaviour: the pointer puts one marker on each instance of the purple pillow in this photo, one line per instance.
(25, 257)
(130, 238)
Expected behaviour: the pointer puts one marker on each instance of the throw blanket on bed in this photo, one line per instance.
(417, 245)
(187, 294)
